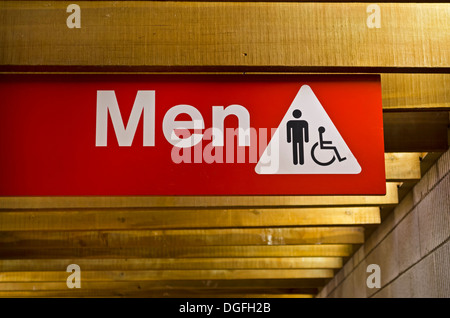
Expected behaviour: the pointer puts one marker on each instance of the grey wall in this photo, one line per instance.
(411, 246)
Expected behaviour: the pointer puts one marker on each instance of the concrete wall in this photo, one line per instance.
(411, 246)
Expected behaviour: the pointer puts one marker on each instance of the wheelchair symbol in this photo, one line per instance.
(323, 145)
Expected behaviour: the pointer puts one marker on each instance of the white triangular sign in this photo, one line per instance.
(309, 127)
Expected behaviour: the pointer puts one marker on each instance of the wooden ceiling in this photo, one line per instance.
(283, 246)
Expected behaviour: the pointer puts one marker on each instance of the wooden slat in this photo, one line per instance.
(402, 92)
(161, 288)
(403, 166)
(151, 275)
(176, 238)
(160, 35)
(141, 219)
(145, 287)
(171, 288)
(76, 202)
(250, 295)
(152, 294)
(29, 265)
(339, 250)
(192, 286)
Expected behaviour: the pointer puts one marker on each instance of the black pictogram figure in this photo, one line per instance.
(323, 145)
(297, 133)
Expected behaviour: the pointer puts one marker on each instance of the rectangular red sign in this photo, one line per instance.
(191, 135)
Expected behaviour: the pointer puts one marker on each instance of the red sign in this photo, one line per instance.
(191, 135)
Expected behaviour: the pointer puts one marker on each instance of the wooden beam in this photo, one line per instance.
(151, 275)
(144, 289)
(249, 295)
(403, 166)
(160, 35)
(152, 294)
(177, 238)
(146, 219)
(137, 287)
(76, 202)
(416, 131)
(29, 265)
(155, 289)
(325, 250)
(406, 92)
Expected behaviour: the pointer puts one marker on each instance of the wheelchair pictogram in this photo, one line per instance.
(325, 145)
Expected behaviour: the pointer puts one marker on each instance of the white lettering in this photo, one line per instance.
(144, 103)
(170, 125)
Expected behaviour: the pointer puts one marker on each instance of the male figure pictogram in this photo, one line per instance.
(297, 133)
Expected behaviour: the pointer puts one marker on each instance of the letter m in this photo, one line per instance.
(107, 102)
